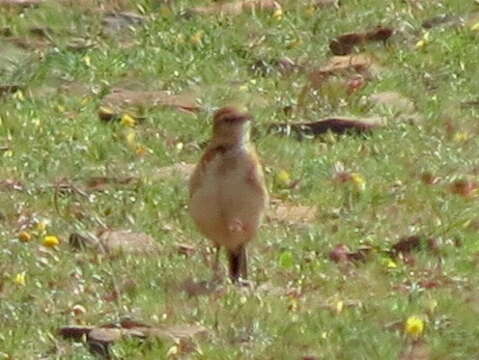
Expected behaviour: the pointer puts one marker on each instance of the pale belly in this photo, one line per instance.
(227, 209)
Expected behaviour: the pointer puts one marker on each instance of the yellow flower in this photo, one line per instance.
(391, 264)
(423, 42)
(142, 150)
(462, 136)
(41, 226)
(358, 181)
(278, 13)
(128, 120)
(165, 11)
(197, 38)
(50, 241)
(414, 326)
(283, 178)
(295, 43)
(19, 279)
(24, 236)
(87, 60)
(180, 39)
(130, 138)
(431, 305)
(339, 307)
(310, 11)
(19, 95)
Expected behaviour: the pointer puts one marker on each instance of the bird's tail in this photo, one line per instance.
(238, 264)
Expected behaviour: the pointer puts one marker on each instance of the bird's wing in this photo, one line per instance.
(200, 169)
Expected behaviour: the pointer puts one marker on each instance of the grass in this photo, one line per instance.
(305, 303)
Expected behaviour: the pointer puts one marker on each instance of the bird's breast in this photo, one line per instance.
(226, 196)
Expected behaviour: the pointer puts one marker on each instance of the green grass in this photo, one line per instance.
(53, 132)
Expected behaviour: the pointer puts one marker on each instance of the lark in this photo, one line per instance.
(228, 195)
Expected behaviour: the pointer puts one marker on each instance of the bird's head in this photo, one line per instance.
(230, 125)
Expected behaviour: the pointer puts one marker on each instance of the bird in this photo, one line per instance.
(228, 194)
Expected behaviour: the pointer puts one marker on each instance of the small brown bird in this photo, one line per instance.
(227, 191)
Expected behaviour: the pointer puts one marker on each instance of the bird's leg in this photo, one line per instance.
(238, 264)
(244, 264)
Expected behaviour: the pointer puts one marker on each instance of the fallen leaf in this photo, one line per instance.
(284, 66)
(6, 31)
(291, 213)
(408, 244)
(339, 125)
(181, 170)
(115, 22)
(236, 7)
(199, 288)
(83, 241)
(107, 114)
(392, 100)
(430, 179)
(341, 74)
(100, 183)
(339, 253)
(364, 64)
(344, 44)
(121, 99)
(185, 249)
(115, 241)
(342, 254)
(325, 3)
(354, 178)
(75, 332)
(106, 335)
(8, 89)
(111, 333)
(125, 286)
(41, 31)
(11, 184)
(417, 350)
(443, 20)
(128, 242)
(29, 43)
(20, 3)
(465, 188)
(380, 33)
